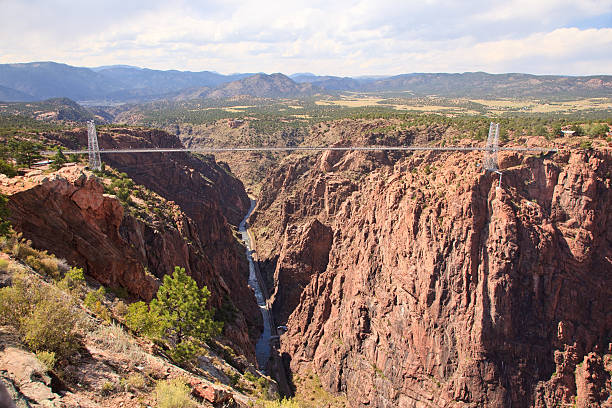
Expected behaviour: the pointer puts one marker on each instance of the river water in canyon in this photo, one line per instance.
(262, 348)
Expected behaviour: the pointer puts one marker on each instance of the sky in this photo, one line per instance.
(331, 37)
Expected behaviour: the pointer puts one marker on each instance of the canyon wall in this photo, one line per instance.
(75, 220)
(416, 280)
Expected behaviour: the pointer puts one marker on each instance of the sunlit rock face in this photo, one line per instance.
(430, 285)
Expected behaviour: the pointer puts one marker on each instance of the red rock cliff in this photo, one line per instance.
(429, 286)
(214, 200)
(68, 214)
(117, 248)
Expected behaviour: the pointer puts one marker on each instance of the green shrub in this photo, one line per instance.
(72, 280)
(598, 130)
(586, 144)
(23, 249)
(33, 262)
(58, 159)
(8, 241)
(141, 320)
(50, 326)
(95, 296)
(25, 151)
(16, 301)
(250, 377)
(234, 378)
(578, 130)
(49, 267)
(47, 358)
(120, 309)
(181, 306)
(107, 388)
(45, 319)
(133, 382)
(185, 351)
(284, 403)
(4, 265)
(179, 314)
(94, 301)
(7, 168)
(173, 394)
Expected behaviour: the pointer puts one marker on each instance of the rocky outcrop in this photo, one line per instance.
(441, 288)
(68, 214)
(24, 381)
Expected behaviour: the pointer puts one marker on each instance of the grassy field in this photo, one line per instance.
(459, 106)
(539, 106)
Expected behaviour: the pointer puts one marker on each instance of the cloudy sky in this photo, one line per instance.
(335, 37)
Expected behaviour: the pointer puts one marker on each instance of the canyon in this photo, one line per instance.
(403, 279)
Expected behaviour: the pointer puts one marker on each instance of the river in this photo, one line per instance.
(262, 348)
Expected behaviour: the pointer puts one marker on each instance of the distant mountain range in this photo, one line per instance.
(121, 83)
(44, 80)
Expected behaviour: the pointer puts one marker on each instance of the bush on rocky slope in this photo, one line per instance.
(44, 317)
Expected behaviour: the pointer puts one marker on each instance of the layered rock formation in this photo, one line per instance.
(68, 214)
(73, 219)
(424, 283)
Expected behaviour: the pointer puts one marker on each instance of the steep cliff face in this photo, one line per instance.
(69, 215)
(438, 287)
(214, 200)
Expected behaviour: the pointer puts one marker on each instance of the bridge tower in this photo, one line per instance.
(92, 147)
(490, 156)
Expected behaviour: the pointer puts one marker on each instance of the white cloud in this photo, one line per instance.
(342, 38)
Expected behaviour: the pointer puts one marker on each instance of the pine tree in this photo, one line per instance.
(59, 159)
(182, 309)
(25, 151)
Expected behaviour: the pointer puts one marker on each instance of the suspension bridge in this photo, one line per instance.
(489, 163)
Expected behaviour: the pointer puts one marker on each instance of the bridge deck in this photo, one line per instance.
(311, 148)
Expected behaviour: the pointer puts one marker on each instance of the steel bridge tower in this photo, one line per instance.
(490, 156)
(92, 147)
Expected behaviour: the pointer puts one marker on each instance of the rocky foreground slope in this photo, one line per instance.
(416, 280)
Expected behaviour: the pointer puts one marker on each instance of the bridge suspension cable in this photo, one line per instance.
(311, 148)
